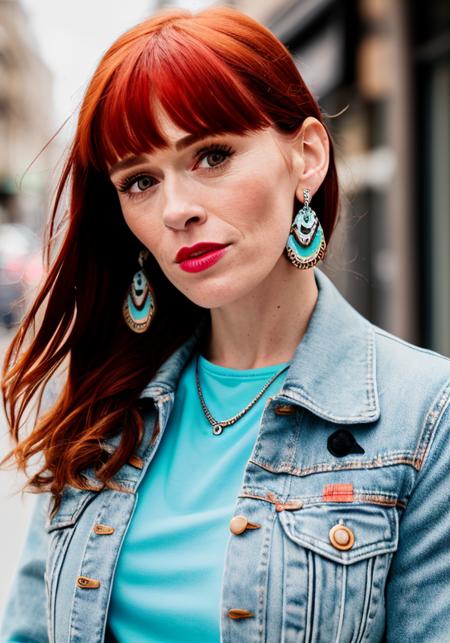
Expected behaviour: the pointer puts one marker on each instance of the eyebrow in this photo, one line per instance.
(181, 144)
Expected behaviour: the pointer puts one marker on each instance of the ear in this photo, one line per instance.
(311, 156)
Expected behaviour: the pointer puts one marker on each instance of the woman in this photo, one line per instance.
(235, 454)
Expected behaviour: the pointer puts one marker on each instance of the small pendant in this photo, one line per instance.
(217, 429)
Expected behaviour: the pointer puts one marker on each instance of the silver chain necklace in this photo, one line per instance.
(218, 427)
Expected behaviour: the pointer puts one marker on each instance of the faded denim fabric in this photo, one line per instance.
(293, 580)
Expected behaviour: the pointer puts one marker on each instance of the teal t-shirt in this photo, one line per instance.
(168, 580)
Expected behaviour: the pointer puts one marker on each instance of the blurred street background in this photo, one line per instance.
(379, 68)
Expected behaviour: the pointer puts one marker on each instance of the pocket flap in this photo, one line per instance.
(375, 529)
(73, 502)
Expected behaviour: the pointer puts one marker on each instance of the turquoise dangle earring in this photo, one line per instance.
(306, 242)
(139, 304)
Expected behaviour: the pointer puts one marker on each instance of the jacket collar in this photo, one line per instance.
(333, 370)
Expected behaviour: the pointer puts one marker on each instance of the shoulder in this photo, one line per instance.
(400, 352)
(413, 386)
(414, 373)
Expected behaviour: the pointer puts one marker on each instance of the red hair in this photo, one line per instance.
(215, 71)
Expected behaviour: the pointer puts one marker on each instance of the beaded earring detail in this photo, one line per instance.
(306, 242)
(139, 304)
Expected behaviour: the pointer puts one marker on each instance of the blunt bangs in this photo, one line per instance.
(200, 93)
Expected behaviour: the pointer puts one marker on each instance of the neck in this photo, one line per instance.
(265, 327)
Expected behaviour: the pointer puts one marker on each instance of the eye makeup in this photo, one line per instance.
(125, 185)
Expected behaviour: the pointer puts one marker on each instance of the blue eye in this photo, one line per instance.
(142, 181)
(218, 152)
(136, 185)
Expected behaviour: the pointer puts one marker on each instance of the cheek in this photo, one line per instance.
(142, 226)
(262, 205)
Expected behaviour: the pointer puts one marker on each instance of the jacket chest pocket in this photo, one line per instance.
(336, 560)
(61, 529)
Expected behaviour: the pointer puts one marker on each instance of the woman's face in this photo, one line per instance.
(228, 189)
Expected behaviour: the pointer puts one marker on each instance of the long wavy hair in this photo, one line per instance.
(214, 71)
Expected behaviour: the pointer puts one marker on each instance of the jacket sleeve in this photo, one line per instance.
(418, 586)
(24, 619)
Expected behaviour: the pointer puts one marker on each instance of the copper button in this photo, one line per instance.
(285, 409)
(87, 583)
(239, 524)
(239, 613)
(103, 530)
(341, 537)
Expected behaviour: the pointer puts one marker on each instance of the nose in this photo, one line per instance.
(181, 206)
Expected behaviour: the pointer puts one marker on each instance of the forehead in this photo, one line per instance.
(177, 138)
(170, 130)
(126, 112)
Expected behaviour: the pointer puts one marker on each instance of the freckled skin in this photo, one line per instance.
(254, 293)
(248, 203)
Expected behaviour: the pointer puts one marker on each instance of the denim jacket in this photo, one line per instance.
(344, 533)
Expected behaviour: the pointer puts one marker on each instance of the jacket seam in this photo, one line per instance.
(402, 342)
(432, 424)
(371, 361)
(360, 496)
(394, 458)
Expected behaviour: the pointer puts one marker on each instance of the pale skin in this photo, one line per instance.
(260, 304)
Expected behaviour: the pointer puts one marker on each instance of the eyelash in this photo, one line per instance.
(125, 185)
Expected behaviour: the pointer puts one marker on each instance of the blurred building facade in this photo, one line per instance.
(381, 72)
(25, 121)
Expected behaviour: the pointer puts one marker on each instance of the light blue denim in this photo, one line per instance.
(168, 579)
(295, 585)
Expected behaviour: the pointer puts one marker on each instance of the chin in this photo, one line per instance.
(213, 297)
(210, 302)
(220, 290)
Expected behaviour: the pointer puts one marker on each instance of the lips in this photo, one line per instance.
(202, 247)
